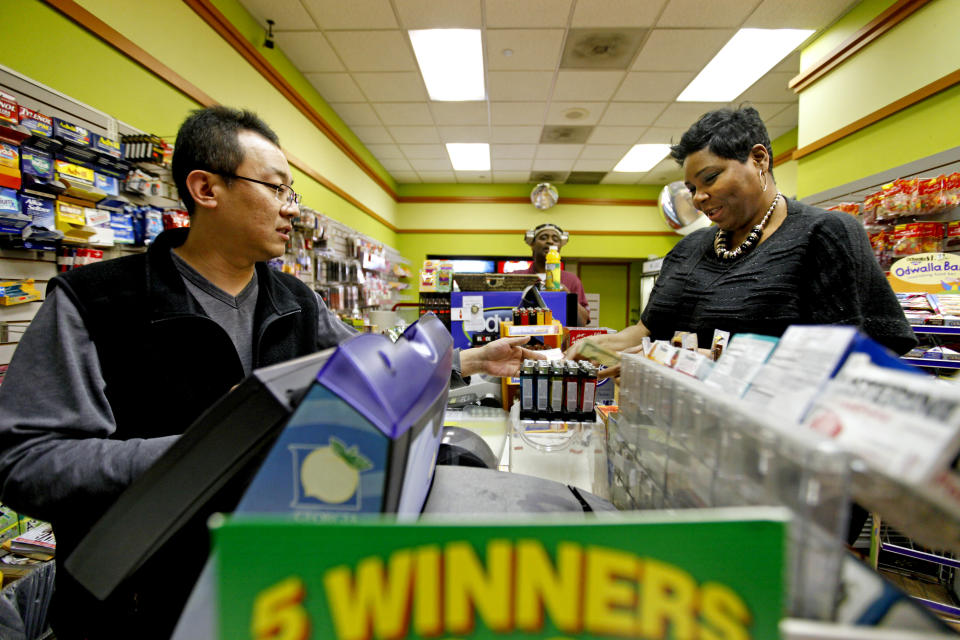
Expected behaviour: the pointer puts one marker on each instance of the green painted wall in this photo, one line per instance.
(843, 28)
(610, 281)
(916, 52)
(919, 131)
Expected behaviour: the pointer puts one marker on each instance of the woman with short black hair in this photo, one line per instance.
(768, 262)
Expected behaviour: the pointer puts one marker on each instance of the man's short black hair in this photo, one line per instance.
(207, 140)
(728, 133)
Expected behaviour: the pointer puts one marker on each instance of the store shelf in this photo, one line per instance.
(919, 555)
(936, 329)
(933, 363)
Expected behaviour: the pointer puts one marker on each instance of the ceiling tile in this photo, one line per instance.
(286, 14)
(424, 150)
(392, 87)
(791, 63)
(615, 135)
(662, 135)
(431, 164)
(696, 13)
(519, 86)
(373, 50)
(383, 151)
(585, 112)
(592, 48)
(768, 110)
(634, 114)
(405, 177)
(530, 49)
(653, 86)
(593, 164)
(797, 14)
(616, 13)
(437, 176)
(372, 135)
(680, 49)
(309, 51)
(508, 113)
(684, 114)
(529, 13)
(474, 176)
(553, 164)
(356, 14)
(461, 113)
(356, 113)
(335, 87)
(508, 177)
(477, 133)
(770, 88)
(413, 135)
(396, 164)
(587, 85)
(557, 151)
(403, 113)
(430, 14)
(523, 151)
(786, 118)
(621, 178)
(512, 164)
(605, 151)
(666, 171)
(508, 134)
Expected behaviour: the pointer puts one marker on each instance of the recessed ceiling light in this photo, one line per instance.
(507, 52)
(642, 157)
(451, 63)
(469, 156)
(748, 55)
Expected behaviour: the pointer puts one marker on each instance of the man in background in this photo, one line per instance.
(540, 240)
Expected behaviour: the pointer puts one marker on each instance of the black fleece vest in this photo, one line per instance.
(163, 359)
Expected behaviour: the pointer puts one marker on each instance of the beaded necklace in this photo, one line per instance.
(720, 240)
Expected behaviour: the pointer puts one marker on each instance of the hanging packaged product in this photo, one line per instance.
(9, 165)
(18, 292)
(43, 225)
(71, 219)
(37, 171)
(8, 109)
(12, 220)
(122, 224)
(80, 181)
(36, 123)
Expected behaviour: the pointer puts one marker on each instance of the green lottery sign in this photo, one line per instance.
(629, 577)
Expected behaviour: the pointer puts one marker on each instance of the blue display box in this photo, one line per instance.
(497, 307)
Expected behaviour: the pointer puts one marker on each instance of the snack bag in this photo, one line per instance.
(951, 241)
(930, 195)
(951, 190)
(906, 201)
(870, 204)
(886, 206)
(853, 208)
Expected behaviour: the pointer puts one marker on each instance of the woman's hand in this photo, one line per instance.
(501, 357)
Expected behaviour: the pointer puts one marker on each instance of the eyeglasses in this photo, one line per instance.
(284, 192)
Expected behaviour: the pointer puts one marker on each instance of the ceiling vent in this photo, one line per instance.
(585, 177)
(601, 48)
(565, 134)
(548, 176)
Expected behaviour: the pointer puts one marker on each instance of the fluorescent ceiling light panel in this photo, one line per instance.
(642, 157)
(451, 63)
(469, 156)
(748, 55)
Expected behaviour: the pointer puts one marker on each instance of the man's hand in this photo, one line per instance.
(501, 357)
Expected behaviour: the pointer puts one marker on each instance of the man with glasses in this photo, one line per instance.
(124, 355)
